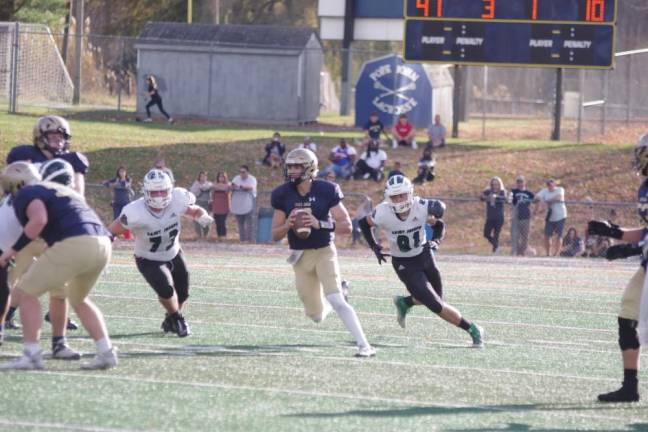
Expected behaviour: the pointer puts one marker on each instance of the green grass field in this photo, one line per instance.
(254, 362)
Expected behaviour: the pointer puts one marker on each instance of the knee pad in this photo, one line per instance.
(164, 291)
(628, 338)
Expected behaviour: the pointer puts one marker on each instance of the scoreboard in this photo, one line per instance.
(532, 33)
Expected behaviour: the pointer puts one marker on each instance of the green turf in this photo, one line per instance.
(254, 362)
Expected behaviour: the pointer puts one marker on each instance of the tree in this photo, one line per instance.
(48, 12)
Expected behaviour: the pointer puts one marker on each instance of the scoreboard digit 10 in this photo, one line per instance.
(573, 11)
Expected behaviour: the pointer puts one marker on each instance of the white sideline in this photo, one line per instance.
(61, 426)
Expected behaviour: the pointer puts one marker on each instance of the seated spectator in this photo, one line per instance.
(436, 133)
(221, 203)
(363, 211)
(371, 163)
(308, 144)
(202, 189)
(274, 152)
(396, 170)
(425, 167)
(572, 244)
(374, 127)
(342, 159)
(330, 177)
(403, 133)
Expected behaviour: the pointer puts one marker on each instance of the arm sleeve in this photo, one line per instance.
(367, 233)
(276, 201)
(438, 231)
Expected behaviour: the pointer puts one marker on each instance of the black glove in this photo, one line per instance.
(604, 228)
(622, 251)
(379, 254)
(433, 245)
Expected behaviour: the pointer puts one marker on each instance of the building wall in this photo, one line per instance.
(248, 85)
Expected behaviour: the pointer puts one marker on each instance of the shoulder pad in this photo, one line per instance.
(183, 197)
(436, 208)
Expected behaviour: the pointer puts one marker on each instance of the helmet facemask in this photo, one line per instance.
(399, 185)
(49, 127)
(304, 158)
(157, 189)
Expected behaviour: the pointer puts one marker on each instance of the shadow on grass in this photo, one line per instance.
(200, 350)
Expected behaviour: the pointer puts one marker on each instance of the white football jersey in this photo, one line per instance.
(406, 237)
(157, 234)
(10, 228)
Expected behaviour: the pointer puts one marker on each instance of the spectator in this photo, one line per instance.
(342, 159)
(244, 192)
(156, 99)
(495, 197)
(274, 152)
(425, 167)
(221, 203)
(403, 133)
(572, 244)
(554, 198)
(160, 164)
(374, 127)
(330, 177)
(596, 246)
(396, 170)
(436, 133)
(123, 193)
(371, 162)
(308, 144)
(202, 189)
(521, 199)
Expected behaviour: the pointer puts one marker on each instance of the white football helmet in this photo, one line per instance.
(46, 125)
(304, 157)
(397, 185)
(641, 155)
(157, 180)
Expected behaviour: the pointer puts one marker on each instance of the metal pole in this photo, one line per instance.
(349, 19)
(66, 32)
(120, 76)
(456, 101)
(606, 83)
(629, 90)
(14, 70)
(189, 11)
(217, 11)
(76, 98)
(555, 135)
(484, 93)
(581, 99)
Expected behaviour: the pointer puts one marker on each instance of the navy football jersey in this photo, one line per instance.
(642, 205)
(321, 198)
(33, 154)
(68, 215)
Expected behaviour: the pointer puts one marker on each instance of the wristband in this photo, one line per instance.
(327, 225)
(22, 241)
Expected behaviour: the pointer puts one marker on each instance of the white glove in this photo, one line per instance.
(205, 220)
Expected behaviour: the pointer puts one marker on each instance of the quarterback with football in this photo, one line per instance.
(315, 208)
(403, 218)
(632, 325)
(51, 137)
(155, 221)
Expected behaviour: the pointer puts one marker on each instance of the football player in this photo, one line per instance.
(51, 139)
(155, 221)
(403, 218)
(629, 340)
(314, 259)
(78, 249)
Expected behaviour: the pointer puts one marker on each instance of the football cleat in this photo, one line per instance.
(103, 360)
(25, 362)
(167, 325)
(366, 351)
(401, 310)
(477, 334)
(180, 326)
(624, 394)
(11, 324)
(62, 351)
(71, 324)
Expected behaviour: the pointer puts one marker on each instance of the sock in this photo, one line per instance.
(56, 340)
(463, 324)
(10, 313)
(409, 301)
(175, 315)
(348, 317)
(630, 378)
(103, 345)
(31, 348)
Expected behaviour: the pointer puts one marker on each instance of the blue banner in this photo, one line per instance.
(391, 87)
(378, 8)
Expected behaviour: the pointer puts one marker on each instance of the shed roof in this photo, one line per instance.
(249, 35)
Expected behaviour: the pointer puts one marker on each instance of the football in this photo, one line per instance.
(301, 230)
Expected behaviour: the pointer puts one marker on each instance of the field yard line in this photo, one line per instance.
(62, 426)
(296, 392)
(221, 348)
(359, 313)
